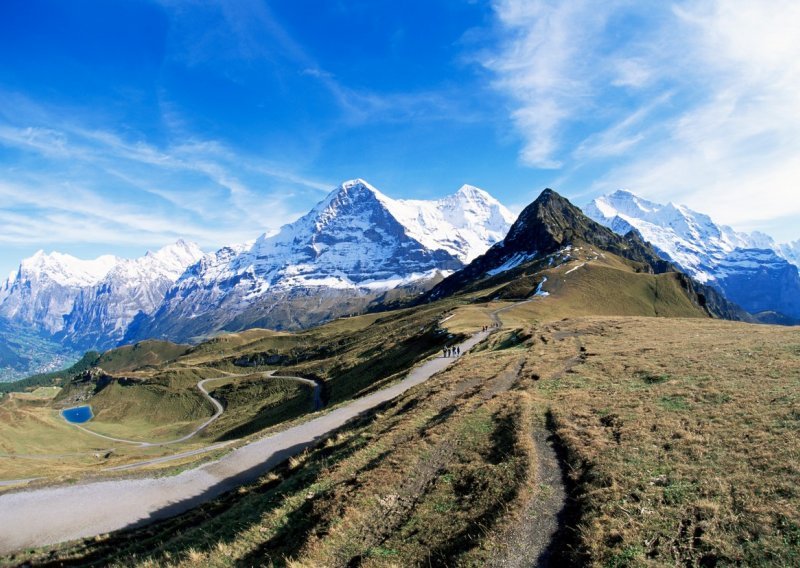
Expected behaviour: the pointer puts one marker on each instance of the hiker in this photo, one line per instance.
(458, 351)
(444, 351)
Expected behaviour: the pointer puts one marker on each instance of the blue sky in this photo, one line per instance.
(125, 125)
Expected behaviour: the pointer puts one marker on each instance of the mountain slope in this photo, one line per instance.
(544, 227)
(348, 250)
(791, 252)
(745, 267)
(464, 224)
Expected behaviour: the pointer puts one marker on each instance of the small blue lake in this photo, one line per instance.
(78, 415)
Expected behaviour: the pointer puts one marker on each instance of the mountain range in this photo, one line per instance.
(359, 248)
(749, 269)
(347, 252)
(351, 249)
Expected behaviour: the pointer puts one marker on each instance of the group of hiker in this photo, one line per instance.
(456, 351)
(452, 351)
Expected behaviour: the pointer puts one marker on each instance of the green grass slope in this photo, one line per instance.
(150, 353)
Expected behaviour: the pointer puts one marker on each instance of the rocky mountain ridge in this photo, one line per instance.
(88, 303)
(551, 225)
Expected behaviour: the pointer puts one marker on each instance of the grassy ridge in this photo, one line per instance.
(255, 403)
(679, 455)
(121, 359)
(147, 412)
(149, 353)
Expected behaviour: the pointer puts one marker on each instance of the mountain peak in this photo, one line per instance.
(548, 223)
(357, 186)
(549, 197)
(179, 247)
(473, 192)
(67, 269)
(623, 194)
(169, 261)
(545, 226)
(750, 269)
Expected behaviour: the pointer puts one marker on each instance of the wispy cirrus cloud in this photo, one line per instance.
(695, 102)
(90, 186)
(540, 65)
(215, 136)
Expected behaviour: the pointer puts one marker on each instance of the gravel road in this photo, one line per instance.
(50, 515)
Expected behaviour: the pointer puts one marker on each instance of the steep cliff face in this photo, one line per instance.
(44, 288)
(89, 303)
(101, 314)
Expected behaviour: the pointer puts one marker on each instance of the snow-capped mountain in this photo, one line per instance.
(464, 224)
(790, 251)
(101, 313)
(354, 245)
(83, 301)
(750, 269)
(44, 288)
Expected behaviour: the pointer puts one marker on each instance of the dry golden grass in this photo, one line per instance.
(38, 393)
(683, 435)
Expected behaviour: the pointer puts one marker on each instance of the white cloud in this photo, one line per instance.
(86, 186)
(693, 102)
(620, 137)
(540, 65)
(631, 73)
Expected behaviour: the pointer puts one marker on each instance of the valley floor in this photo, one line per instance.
(604, 441)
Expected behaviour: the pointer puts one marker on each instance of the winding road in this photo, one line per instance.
(218, 412)
(97, 507)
